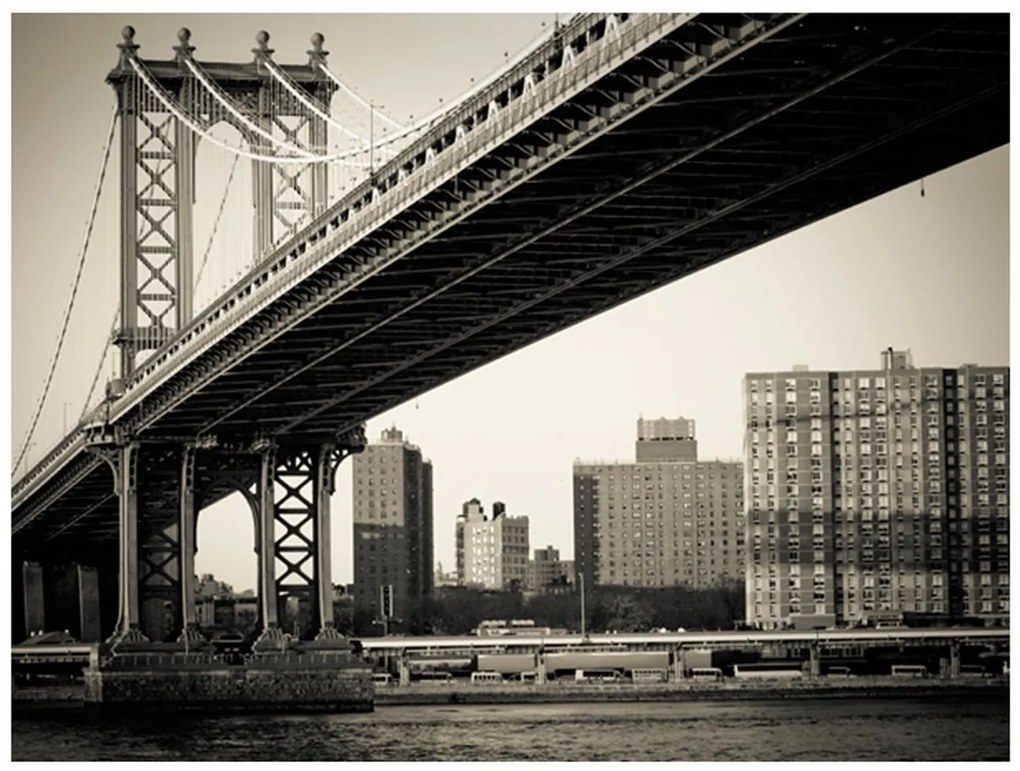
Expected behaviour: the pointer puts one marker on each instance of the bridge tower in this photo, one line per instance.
(157, 169)
(161, 483)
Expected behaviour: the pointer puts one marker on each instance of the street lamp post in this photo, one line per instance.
(584, 633)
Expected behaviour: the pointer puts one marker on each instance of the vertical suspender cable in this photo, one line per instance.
(74, 291)
(99, 370)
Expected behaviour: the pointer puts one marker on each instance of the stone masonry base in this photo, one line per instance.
(254, 687)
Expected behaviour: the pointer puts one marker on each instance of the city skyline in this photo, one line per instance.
(927, 273)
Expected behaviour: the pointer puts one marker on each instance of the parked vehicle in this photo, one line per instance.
(909, 670)
(649, 675)
(706, 674)
(434, 676)
(768, 670)
(486, 677)
(596, 676)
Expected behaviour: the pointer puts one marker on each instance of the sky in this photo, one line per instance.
(926, 273)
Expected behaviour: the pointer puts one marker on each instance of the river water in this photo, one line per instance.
(797, 729)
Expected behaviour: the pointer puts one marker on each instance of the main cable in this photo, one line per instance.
(74, 291)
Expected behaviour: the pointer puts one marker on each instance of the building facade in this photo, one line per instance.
(492, 552)
(392, 488)
(546, 571)
(667, 519)
(877, 494)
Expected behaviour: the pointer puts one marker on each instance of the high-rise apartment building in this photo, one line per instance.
(492, 552)
(392, 526)
(667, 519)
(546, 570)
(877, 494)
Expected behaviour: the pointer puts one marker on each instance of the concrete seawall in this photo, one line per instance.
(236, 689)
(285, 692)
(531, 693)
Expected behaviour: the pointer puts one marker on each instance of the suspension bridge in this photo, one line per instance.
(617, 153)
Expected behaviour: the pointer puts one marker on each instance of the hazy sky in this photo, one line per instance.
(926, 273)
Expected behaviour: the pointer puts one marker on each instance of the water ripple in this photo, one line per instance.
(802, 729)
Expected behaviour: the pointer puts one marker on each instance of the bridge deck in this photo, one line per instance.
(640, 178)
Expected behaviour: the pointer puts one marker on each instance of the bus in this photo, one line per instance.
(649, 675)
(838, 671)
(596, 676)
(785, 670)
(706, 674)
(434, 676)
(515, 626)
(909, 670)
(486, 677)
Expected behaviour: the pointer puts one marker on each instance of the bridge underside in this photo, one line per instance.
(830, 111)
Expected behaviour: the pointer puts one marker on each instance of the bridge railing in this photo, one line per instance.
(368, 206)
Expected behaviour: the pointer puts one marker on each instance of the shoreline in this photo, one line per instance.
(552, 693)
(70, 699)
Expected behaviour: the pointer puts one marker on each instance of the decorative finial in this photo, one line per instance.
(127, 47)
(184, 37)
(263, 49)
(317, 55)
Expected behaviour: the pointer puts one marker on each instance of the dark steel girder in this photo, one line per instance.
(800, 97)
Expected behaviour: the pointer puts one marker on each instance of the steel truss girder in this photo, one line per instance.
(793, 179)
(763, 31)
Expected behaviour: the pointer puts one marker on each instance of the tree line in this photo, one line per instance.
(459, 610)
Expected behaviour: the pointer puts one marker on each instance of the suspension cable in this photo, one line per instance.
(284, 80)
(74, 290)
(433, 117)
(216, 222)
(174, 109)
(358, 97)
(99, 369)
(248, 123)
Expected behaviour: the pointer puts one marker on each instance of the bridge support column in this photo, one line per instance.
(326, 483)
(540, 672)
(190, 633)
(954, 659)
(679, 664)
(271, 636)
(814, 660)
(32, 594)
(404, 671)
(126, 475)
(60, 596)
(90, 626)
